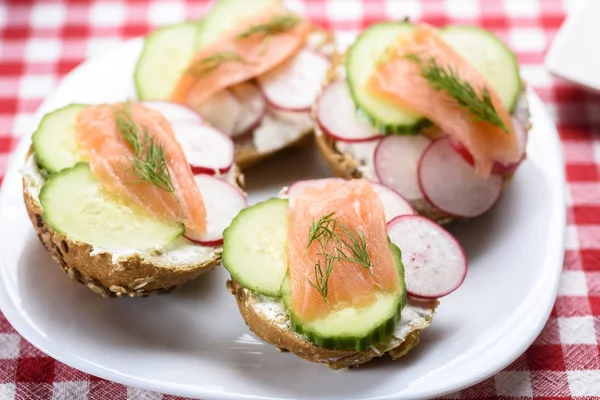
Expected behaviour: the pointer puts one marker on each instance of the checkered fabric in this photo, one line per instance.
(40, 42)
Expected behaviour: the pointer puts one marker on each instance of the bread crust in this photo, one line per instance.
(287, 340)
(246, 154)
(131, 276)
(345, 166)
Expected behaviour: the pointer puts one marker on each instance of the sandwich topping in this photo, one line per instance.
(435, 114)
(255, 46)
(154, 168)
(133, 152)
(338, 253)
(421, 71)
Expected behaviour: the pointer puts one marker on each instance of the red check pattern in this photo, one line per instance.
(40, 42)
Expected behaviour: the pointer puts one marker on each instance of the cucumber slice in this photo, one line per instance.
(362, 59)
(491, 57)
(254, 246)
(74, 205)
(351, 328)
(166, 54)
(224, 16)
(54, 142)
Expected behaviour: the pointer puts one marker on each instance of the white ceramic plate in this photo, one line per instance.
(193, 342)
(574, 54)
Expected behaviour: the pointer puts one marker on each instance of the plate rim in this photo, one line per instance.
(194, 391)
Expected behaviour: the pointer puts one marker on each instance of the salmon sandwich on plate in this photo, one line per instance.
(440, 116)
(339, 271)
(125, 196)
(252, 69)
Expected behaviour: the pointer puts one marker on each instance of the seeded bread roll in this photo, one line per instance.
(110, 274)
(268, 320)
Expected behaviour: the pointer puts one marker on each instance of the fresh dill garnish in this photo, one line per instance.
(278, 24)
(149, 161)
(210, 63)
(348, 245)
(446, 79)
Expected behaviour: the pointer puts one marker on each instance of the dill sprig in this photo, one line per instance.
(446, 79)
(149, 162)
(212, 62)
(277, 25)
(348, 245)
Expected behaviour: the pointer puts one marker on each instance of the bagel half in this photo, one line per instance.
(345, 165)
(115, 274)
(267, 318)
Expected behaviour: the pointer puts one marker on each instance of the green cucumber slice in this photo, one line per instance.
(74, 205)
(362, 59)
(166, 54)
(351, 328)
(491, 57)
(254, 246)
(54, 141)
(224, 16)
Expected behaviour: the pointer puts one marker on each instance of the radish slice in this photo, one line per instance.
(336, 115)
(452, 185)
(396, 162)
(298, 187)
(435, 264)
(221, 110)
(295, 84)
(393, 203)
(206, 149)
(498, 168)
(223, 202)
(253, 108)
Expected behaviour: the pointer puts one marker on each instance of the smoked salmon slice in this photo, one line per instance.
(398, 79)
(111, 160)
(358, 207)
(254, 47)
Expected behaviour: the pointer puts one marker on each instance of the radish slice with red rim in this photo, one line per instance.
(396, 162)
(295, 84)
(253, 108)
(223, 202)
(393, 203)
(206, 149)
(498, 168)
(435, 264)
(450, 184)
(336, 115)
(222, 110)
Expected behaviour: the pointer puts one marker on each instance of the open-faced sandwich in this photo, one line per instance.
(438, 115)
(339, 271)
(131, 198)
(252, 69)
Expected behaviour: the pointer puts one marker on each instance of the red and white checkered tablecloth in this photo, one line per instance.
(40, 42)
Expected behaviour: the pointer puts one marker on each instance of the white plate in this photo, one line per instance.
(193, 342)
(574, 54)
